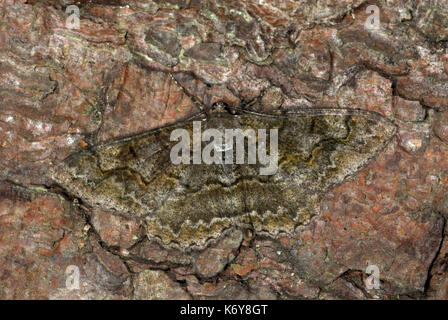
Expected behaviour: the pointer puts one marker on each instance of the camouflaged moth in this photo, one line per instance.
(187, 204)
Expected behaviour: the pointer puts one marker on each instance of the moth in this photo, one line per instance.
(189, 203)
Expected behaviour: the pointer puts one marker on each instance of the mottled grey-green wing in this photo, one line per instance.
(188, 204)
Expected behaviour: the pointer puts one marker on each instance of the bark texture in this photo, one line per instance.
(136, 65)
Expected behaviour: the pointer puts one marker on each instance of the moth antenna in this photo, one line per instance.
(195, 100)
